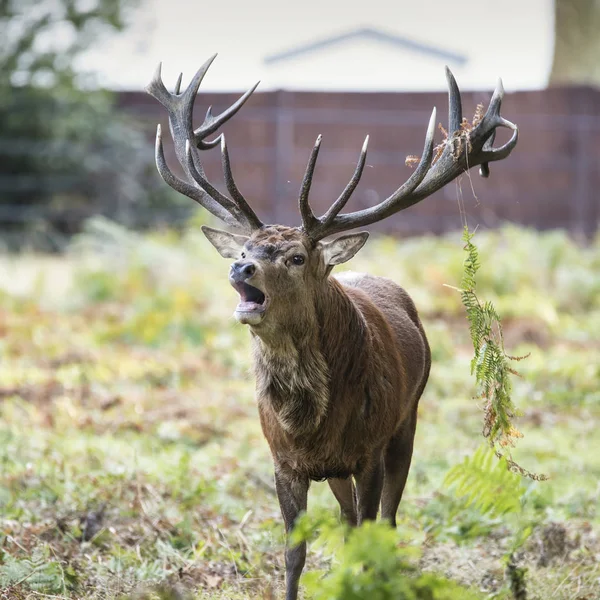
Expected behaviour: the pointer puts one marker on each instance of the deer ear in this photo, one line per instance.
(228, 245)
(342, 249)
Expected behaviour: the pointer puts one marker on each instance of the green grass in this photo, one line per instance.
(131, 453)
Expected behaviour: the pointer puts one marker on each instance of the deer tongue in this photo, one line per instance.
(251, 298)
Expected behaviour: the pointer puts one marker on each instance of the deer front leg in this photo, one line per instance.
(292, 492)
(369, 483)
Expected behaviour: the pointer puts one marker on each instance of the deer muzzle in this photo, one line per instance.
(253, 301)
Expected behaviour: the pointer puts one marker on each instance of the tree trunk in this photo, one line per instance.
(577, 43)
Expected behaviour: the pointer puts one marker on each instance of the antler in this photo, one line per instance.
(234, 211)
(464, 148)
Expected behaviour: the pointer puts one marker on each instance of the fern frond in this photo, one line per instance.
(490, 364)
(486, 484)
(38, 573)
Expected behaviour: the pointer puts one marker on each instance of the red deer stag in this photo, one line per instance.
(340, 362)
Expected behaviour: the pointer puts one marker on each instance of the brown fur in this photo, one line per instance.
(340, 365)
(365, 351)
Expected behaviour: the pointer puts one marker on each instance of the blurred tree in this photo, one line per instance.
(65, 153)
(577, 42)
(41, 38)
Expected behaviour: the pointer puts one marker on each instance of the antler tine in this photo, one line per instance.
(493, 110)
(308, 218)
(185, 188)
(156, 88)
(420, 172)
(178, 83)
(454, 104)
(186, 106)
(205, 185)
(337, 206)
(493, 118)
(187, 141)
(212, 123)
(464, 148)
(241, 202)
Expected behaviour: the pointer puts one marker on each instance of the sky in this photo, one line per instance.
(512, 38)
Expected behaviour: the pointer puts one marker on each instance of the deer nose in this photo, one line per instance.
(240, 271)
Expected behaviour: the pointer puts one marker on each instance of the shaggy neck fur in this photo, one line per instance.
(298, 364)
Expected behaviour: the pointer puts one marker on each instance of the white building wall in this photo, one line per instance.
(359, 65)
(512, 38)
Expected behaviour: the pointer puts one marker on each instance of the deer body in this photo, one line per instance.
(346, 380)
(340, 363)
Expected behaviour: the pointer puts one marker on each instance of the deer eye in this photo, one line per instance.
(298, 259)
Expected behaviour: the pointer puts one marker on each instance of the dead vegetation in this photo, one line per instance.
(459, 142)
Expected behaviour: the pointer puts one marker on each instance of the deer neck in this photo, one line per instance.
(296, 365)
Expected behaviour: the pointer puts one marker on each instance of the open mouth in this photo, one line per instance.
(252, 300)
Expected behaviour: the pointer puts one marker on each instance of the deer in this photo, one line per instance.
(340, 361)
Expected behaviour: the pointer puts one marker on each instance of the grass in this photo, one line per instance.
(131, 453)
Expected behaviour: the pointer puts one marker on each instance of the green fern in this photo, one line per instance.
(495, 490)
(371, 561)
(487, 484)
(38, 573)
(491, 365)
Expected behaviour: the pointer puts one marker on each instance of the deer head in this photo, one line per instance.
(277, 270)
